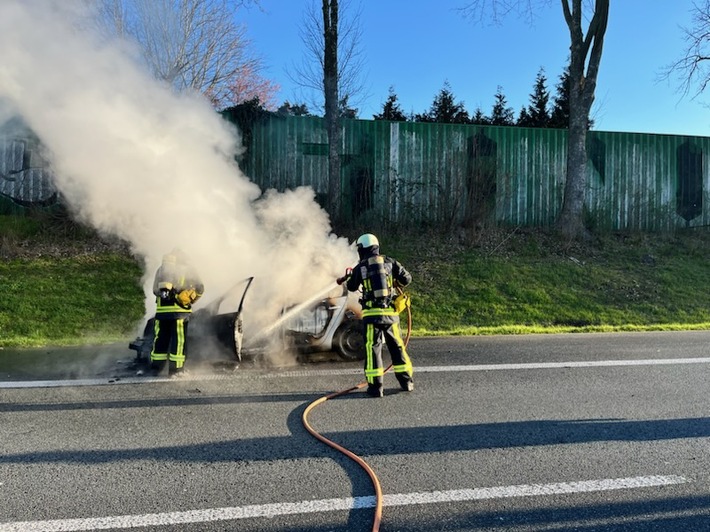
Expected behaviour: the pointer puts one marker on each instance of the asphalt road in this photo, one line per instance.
(559, 432)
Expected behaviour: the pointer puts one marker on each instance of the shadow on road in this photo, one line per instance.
(379, 442)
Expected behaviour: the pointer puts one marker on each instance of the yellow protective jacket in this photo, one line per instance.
(176, 287)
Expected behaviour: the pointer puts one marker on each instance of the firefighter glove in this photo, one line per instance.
(186, 298)
(344, 278)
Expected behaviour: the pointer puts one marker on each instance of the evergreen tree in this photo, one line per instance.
(524, 118)
(391, 109)
(502, 115)
(296, 109)
(537, 110)
(479, 118)
(422, 117)
(559, 117)
(445, 110)
(345, 110)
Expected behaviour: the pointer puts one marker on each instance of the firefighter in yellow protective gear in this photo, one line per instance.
(176, 287)
(377, 274)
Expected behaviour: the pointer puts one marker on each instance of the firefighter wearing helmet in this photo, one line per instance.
(378, 275)
(176, 287)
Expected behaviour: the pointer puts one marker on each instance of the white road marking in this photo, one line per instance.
(329, 505)
(249, 374)
(579, 364)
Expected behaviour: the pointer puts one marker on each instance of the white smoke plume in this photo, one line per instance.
(156, 168)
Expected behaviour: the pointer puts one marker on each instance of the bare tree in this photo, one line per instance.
(330, 92)
(332, 68)
(190, 44)
(693, 68)
(248, 85)
(308, 74)
(585, 57)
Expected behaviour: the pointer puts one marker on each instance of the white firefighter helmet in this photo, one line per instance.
(367, 241)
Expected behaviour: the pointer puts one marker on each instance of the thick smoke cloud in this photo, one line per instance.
(156, 168)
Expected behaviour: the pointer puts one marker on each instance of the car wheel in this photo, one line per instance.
(348, 341)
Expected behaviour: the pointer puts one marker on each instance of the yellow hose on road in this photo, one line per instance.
(375, 481)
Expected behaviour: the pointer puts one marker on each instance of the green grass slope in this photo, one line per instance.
(64, 286)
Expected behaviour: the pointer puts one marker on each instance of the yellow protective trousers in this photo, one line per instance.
(388, 333)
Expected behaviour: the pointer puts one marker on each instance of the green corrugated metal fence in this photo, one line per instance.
(447, 174)
(25, 177)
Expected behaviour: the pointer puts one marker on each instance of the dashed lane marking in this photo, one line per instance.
(329, 505)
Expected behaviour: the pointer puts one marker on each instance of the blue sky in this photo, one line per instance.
(416, 46)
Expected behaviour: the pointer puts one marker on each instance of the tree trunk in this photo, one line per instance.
(582, 87)
(332, 118)
(571, 217)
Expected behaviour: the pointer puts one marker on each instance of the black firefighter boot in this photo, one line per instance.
(375, 390)
(405, 382)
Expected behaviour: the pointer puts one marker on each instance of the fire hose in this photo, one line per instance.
(373, 477)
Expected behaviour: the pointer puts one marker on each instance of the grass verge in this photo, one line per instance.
(72, 289)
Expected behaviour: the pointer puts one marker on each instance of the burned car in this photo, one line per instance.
(331, 324)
